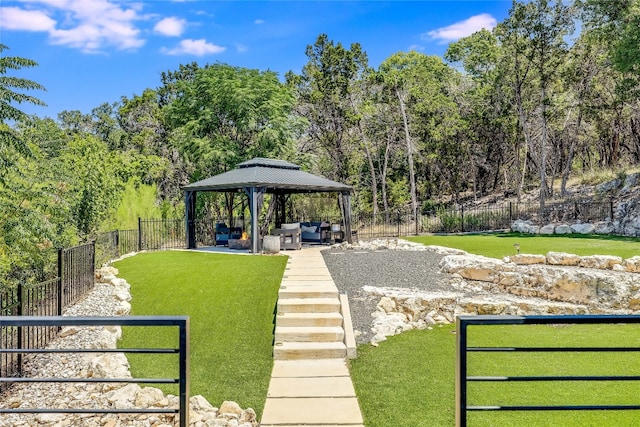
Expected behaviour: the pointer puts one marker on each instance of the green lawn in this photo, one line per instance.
(409, 380)
(499, 245)
(230, 300)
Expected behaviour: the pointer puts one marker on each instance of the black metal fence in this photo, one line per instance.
(459, 219)
(75, 277)
(24, 324)
(463, 351)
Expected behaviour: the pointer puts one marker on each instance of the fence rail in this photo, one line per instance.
(27, 323)
(463, 350)
(459, 219)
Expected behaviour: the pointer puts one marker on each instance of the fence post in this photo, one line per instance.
(575, 211)
(117, 242)
(139, 234)
(93, 256)
(611, 209)
(462, 218)
(60, 271)
(20, 330)
(510, 214)
(399, 219)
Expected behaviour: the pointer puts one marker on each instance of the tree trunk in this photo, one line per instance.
(543, 150)
(383, 180)
(412, 178)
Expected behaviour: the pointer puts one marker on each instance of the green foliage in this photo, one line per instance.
(89, 168)
(35, 219)
(226, 115)
(450, 220)
(137, 201)
(8, 96)
(230, 300)
(326, 92)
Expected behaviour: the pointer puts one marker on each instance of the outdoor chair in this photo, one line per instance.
(224, 233)
(290, 236)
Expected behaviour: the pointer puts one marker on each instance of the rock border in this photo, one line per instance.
(110, 297)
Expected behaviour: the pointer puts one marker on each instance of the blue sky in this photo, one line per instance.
(95, 51)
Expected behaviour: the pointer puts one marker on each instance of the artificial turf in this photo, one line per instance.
(409, 380)
(499, 245)
(230, 300)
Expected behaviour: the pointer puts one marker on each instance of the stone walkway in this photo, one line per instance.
(310, 383)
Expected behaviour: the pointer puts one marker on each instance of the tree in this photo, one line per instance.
(618, 22)
(486, 111)
(534, 36)
(429, 118)
(326, 100)
(225, 115)
(8, 137)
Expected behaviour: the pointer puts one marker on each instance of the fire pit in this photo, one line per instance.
(243, 243)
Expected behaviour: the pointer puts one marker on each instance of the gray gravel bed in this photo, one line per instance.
(353, 269)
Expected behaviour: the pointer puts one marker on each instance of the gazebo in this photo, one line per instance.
(260, 176)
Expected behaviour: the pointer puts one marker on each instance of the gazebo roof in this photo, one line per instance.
(275, 176)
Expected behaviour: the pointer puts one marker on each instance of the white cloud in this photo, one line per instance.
(13, 18)
(461, 29)
(240, 48)
(258, 21)
(88, 25)
(198, 47)
(173, 27)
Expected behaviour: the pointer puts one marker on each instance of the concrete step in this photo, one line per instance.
(309, 305)
(308, 350)
(309, 319)
(309, 333)
(307, 292)
(311, 387)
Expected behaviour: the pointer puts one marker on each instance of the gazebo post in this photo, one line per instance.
(190, 214)
(346, 206)
(253, 193)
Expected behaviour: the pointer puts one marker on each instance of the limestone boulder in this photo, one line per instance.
(632, 265)
(583, 228)
(388, 324)
(527, 259)
(520, 226)
(444, 250)
(109, 365)
(547, 229)
(151, 397)
(604, 227)
(387, 305)
(474, 267)
(562, 229)
(563, 258)
(230, 407)
(602, 262)
(124, 397)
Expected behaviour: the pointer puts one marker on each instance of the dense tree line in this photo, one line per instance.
(527, 105)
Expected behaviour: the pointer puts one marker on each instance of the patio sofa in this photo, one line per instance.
(224, 233)
(314, 232)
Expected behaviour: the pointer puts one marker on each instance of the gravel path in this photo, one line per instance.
(353, 269)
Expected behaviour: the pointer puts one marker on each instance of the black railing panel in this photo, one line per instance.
(181, 350)
(463, 379)
(77, 272)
